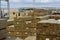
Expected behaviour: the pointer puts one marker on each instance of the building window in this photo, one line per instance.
(13, 13)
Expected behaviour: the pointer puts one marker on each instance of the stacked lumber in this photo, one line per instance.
(40, 12)
(2, 29)
(22, 27)
(54, 17)
(49, 29)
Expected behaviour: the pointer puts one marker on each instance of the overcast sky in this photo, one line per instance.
(34, 3)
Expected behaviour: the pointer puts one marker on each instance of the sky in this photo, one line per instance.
(34, 3)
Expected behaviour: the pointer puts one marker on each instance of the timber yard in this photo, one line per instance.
(29, 23)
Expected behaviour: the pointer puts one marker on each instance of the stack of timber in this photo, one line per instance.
(9, 23)
(22, 28)
(40, 12)
(54, 17)
(48, 29)
(2, 29)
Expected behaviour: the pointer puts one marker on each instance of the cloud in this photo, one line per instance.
(28, 0)
(37, 0)
(15, 0)
(43, 1)
(49, 1)
(23, 3)
(56, 0)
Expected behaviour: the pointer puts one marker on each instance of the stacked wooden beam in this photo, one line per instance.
(48, 29)
(3, 29)
(23, 28)
(39, 12)
(54, 17)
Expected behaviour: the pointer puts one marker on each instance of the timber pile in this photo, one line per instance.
(48, 29)
(2, 29)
